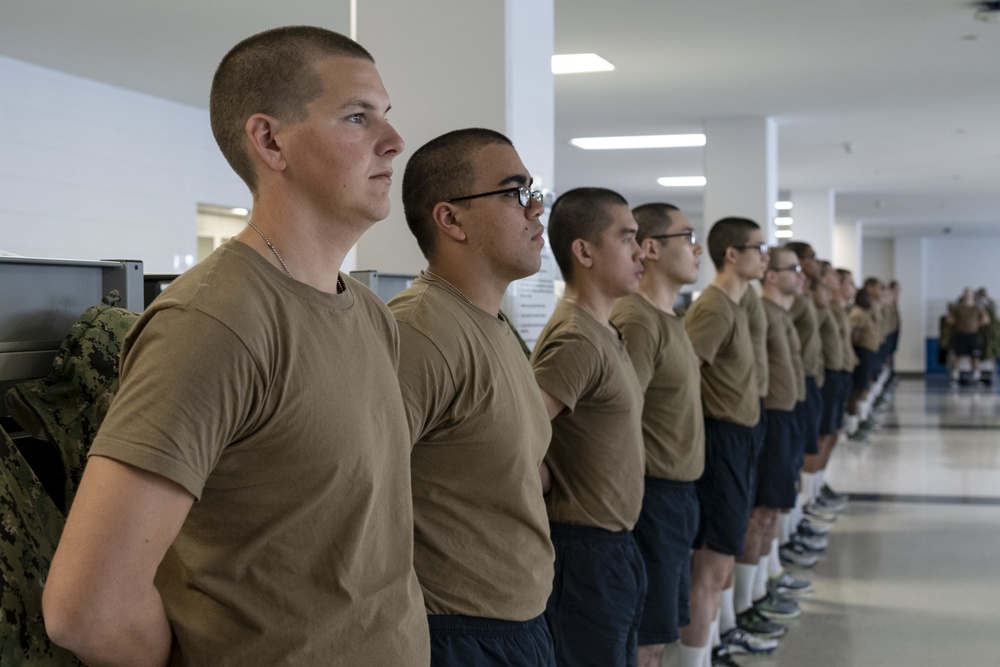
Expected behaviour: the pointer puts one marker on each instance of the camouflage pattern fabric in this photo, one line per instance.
(71, 402)
(30, 526)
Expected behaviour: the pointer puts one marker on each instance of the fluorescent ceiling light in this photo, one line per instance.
(783, 205)
(782, 221)
(575, 63)
(682, 181)
(239, 211)
(648, 141)
(783, 234)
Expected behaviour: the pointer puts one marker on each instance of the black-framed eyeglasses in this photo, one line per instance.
(690, 234)
(761, 247)
(524, 195)
(795, 268)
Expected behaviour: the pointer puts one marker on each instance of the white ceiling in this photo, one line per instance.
(912, 85)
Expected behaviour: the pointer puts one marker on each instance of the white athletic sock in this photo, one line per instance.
(785, 528)
(820, 481)
(760, 582)
(727, 613)
(808, 487)
(774, 568)
(692, 656)
(743, 579)
(850, 424)
(713, 641)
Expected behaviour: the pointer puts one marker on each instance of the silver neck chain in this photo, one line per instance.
(273, 249)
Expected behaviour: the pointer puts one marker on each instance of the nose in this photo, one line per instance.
(698, 249)
(392, 143)
(534, 209)
(638, 252)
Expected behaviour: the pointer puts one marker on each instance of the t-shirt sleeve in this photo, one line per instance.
(642, 347)
(708, 329)
(425, 381)
(566, 367)
(189, 388)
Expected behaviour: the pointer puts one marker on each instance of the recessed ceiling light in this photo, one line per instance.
(783, 205)
(783, 234)
(646, 141)
(575, 63)
(682, 181)
(782, 221)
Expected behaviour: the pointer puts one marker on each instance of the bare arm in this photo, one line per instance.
(552, 405)
(99, 600)
(546, 476)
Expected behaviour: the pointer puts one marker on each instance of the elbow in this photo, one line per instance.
(65, 623)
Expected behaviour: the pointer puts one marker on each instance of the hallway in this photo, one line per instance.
(911, 576)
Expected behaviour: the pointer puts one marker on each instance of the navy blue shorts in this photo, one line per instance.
(778, 472)
(966, 345)
(665, 533)
(461, 641)
(760, 431)
(597, 595)
(863, 371)
(725, 490)
(809, 417)
(835, 390)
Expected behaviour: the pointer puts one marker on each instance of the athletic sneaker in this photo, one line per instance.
(741, 641)
(791, 553)
(835, 506)
(807, 527)
(830, 494)
(814, 543)
(814, 511)
(721, 657)
(775, 608)
(786, 584)
(756, 623)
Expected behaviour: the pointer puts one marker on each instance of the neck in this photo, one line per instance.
(485, 294)
(660, 291)
(733, 285)
(771, 294)
(593, 301)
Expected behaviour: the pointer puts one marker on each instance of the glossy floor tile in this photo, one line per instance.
(912, 574)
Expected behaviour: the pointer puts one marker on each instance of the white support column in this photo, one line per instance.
(910, 269)
(741, 169)
(813, 220)
(847, 246)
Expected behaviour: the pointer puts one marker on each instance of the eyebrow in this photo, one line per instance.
(516, 179)
(630, 230)
(362, 104)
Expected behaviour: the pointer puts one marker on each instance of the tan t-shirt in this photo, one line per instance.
(719, 332)
(597, 456)
(831, 339)
(784, 354)
(848, 356)
(480, 431)
(673, 426)
(967, 318)
(277, 406)
(803, 312)
(864, 329)
(757, 321)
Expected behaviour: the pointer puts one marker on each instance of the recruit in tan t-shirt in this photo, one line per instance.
(480, 431)
(720, 335)
(597, 455)
(784, 359)
(673, 425)
(757, 321)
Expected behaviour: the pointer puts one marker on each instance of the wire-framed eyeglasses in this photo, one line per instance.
(795, 268)
(692, 237)
(759, 247)
(525, 195)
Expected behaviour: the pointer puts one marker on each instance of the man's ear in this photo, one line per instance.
(445, 217)
(651, 249)
(583, 252)
(262, 136)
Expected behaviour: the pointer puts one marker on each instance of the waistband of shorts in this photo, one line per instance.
(672, 484)
(449, 623)
(729, 426)
(590, 532)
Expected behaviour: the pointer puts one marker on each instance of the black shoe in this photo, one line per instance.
(721, 657)
(754, 622)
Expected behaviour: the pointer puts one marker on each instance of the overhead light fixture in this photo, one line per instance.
(783, 234)
(239, 211)
(783, 205)
(682, 181)
(645, 141)
(576, 63)
(783, 221)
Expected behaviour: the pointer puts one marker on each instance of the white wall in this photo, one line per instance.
(90, 171)
(877, 260)
(954, 263)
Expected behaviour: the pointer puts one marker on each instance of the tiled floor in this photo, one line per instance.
(912, 575)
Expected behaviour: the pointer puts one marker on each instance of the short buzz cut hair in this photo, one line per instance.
(773, 258)
(800, 248)
(581, 213)
(273, 73)
(652, 219)
(728, 233)
(439, 170)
